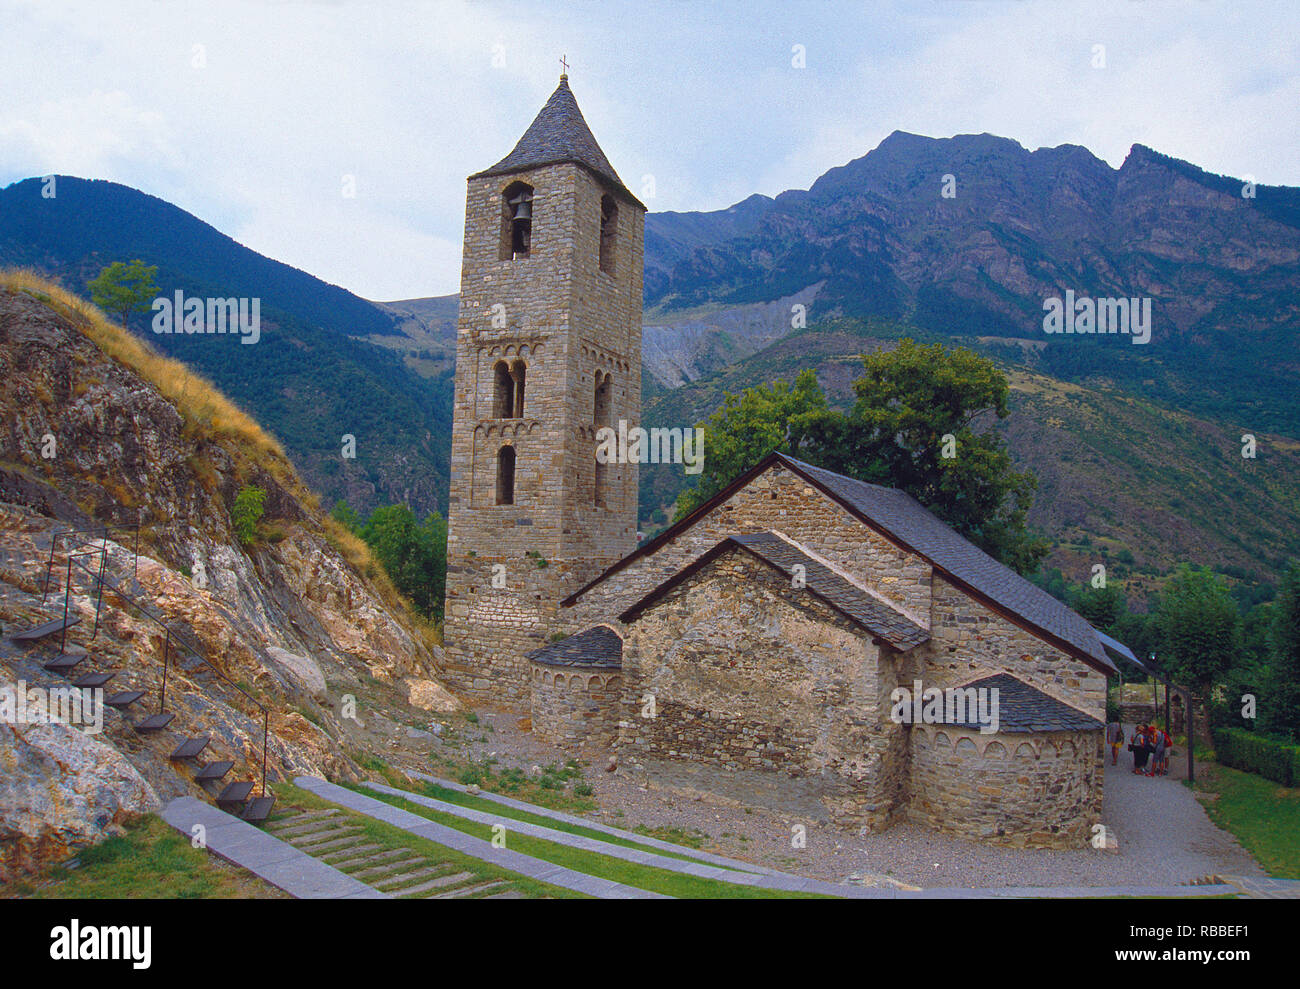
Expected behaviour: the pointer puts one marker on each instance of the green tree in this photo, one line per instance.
(413, 554)
(246, 512)
(1200, 630)
(921, 423)
(346, 516)
(762, 420)
(121, 288)
(1103, 607)
(913, 426)
(1281, 699)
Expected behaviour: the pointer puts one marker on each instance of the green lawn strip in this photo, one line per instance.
(645, 877)
(1264, 816)
(473, 802)
(150, 861)
(389, 838)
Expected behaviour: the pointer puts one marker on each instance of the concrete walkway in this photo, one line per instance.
(771, 879)
(267, 857)
(640, 839)
(524, 865)
(639, 856)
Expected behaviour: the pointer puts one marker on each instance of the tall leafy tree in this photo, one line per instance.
(917, 424)
(1200, 630)
(921, 423)
(414, 554)
(122, 289)
(1281, 700)
(762, 420)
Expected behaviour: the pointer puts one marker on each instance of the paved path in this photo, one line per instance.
(640, 839)
(1163, 830)
(771, 879)
(517, 862)
(267, 857)
(1264, 889)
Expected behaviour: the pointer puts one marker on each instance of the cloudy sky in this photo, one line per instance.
(252, 115)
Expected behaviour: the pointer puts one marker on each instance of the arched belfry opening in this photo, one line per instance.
(516, 221)
(608, 233)
(506, 476)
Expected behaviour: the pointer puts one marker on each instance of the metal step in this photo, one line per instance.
(124, 699)
(190, 748)
(258, 809)
(213, 771)
(93, 681)
(155, 722)
(64, 663)
(40, 631)
(234, 795)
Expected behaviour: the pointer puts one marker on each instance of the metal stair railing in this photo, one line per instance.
(86, 534)
(170, 635)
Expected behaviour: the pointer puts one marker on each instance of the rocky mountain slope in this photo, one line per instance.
(1221, 267)
(300, 619)
(314, 375)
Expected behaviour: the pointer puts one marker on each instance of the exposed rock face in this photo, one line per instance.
(288, 624)
(61, 788)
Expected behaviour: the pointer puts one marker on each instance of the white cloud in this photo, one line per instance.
(410, 98)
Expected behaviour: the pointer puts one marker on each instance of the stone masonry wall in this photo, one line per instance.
(564, 320)
(969, 640)
(748, 674)
(1038, 790)
(778, 500)
(574, 705)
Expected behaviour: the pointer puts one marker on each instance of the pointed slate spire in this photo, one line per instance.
(559, 134)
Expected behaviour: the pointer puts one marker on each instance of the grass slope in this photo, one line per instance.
(150, 861)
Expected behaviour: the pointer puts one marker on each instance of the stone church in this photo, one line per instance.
(755, 648)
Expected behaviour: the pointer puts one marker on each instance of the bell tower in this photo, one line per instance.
(548, 351)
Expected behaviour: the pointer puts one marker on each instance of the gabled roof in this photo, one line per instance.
(596, 647)
(558, 135)
(855, 604)
(904, 521)
(1022, 708)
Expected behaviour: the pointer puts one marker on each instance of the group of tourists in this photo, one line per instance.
(1151, 747)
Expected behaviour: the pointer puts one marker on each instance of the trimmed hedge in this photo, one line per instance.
(1253, 753)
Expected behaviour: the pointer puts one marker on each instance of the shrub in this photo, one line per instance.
(1252, 753)
(246, 512)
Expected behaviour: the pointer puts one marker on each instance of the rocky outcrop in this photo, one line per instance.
(286, 632)
(61, 788)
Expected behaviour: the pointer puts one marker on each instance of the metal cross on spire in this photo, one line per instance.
(564, 65)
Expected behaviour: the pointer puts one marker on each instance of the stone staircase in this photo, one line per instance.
(339, 841)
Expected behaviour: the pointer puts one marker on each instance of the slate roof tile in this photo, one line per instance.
(1022, 708)
(559, 134)
(598, 647)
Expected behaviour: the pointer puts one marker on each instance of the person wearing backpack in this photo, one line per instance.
(1138, 746)
(1159, 739)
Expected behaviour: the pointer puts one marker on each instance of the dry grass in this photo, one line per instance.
(210, 415)
(197, 399)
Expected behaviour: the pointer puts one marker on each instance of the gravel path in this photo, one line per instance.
(1165, 837)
